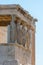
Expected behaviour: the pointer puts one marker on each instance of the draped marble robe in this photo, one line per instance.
(12, 33)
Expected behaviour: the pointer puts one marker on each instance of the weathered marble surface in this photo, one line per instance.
(13, 53)
(11, 62)
(3, 34)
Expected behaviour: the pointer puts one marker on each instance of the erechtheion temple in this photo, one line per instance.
(17, 36)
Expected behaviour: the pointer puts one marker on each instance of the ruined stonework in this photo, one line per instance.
(17, 36)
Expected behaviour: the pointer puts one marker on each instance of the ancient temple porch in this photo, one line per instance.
(12, 50)
(17, 36)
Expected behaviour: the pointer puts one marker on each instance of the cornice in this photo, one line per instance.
(18, 8)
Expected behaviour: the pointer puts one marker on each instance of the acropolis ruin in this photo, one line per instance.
(17, 36)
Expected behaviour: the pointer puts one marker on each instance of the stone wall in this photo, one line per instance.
(3, 34)
(23, 55)
(12, 52)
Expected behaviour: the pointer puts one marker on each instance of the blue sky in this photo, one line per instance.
(35, 8)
